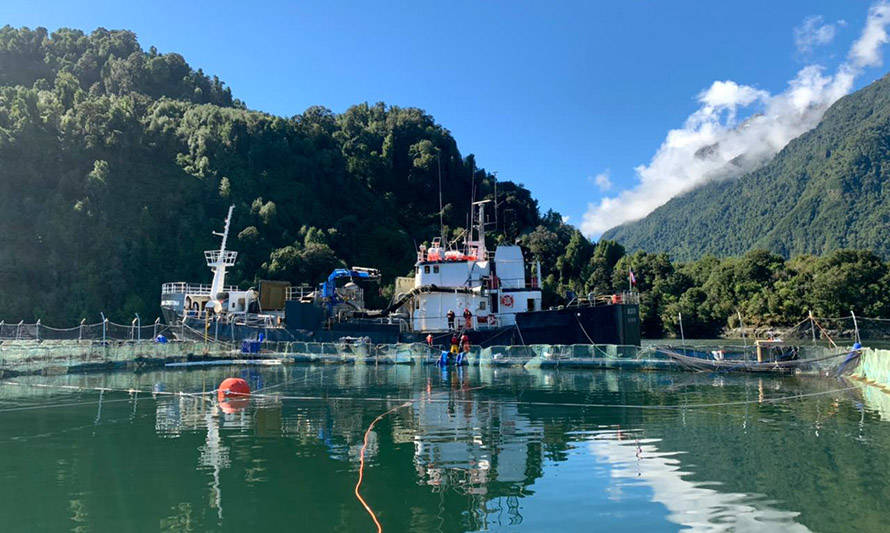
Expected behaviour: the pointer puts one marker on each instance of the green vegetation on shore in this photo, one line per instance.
(766, 289)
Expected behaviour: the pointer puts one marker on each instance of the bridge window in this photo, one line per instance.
(426, 269)
(531, 304)
(435, 269)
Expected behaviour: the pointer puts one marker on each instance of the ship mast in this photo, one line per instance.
(218, 260)
(477, 246)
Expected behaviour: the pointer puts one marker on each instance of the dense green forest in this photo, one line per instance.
(117, 163)
(825, 191)
(764, 288)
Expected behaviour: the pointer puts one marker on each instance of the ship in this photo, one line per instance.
(458, 287)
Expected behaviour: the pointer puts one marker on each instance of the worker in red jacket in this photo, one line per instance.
(468, 318)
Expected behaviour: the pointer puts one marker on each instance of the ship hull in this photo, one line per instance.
(605, 324)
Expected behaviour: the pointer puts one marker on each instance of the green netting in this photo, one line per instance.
(874, 365)
(558, 354)
(33, 355)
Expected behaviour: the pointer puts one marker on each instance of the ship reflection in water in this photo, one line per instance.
(486, 451)
(475, 449)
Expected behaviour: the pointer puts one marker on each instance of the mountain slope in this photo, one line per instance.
(824, 191)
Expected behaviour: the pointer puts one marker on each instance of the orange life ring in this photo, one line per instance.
(507, 300)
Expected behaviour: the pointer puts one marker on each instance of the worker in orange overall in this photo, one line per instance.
(468, 318)
(465, 341)
(429, 340)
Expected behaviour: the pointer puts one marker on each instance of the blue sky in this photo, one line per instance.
(549, 94)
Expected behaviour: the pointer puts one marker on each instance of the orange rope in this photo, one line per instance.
(361, 456)
(361, 466)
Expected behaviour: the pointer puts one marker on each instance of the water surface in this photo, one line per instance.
(476, 449)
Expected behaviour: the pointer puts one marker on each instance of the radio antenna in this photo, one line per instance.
(441, 214)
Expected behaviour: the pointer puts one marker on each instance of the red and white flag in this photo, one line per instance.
(631, 278)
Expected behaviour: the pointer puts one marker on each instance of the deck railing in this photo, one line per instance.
(298, 292)
(181, 287)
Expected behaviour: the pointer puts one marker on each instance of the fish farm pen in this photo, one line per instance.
(40, 349)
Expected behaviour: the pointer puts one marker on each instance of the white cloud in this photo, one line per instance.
(602, 181)
(813, 32)
(712, 144)
(866, 51)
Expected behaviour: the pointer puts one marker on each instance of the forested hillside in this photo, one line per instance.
(117, 163)
(825, 191)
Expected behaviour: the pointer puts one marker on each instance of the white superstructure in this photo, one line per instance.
(493, 289)
(217, 299)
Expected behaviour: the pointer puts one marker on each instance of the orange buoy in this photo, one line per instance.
(232, 387)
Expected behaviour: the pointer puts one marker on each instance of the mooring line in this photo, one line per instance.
(58, 405)
(80, 388)
(560, 404)
(309, 372)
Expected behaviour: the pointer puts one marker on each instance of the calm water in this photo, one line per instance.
(480, 449)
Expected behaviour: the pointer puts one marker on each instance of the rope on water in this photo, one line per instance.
(59, 405)
(361, 464)
(361, 467)
(78, 388)
(777, 399)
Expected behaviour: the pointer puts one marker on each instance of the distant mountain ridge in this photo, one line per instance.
(826, 190)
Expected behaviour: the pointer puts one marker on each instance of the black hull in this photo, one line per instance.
(606, 324)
